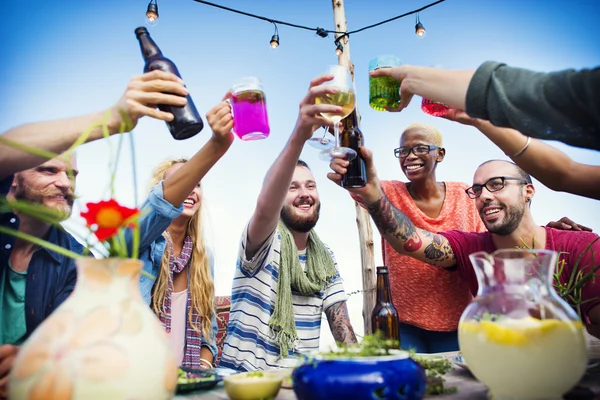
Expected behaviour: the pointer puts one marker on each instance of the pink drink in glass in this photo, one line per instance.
(433, 108)
(250, 110)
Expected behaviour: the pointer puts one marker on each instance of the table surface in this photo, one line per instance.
(467, 386)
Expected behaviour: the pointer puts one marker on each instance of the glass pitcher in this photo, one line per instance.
(518, 337)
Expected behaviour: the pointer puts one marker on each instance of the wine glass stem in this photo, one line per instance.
(336, 134)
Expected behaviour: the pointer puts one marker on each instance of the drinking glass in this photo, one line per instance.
(248, 101)
(384, 91)
(342, 80)
(322, 141)
(434, 108)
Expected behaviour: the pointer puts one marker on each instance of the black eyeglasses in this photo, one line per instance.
(418, 150)
(492, 185)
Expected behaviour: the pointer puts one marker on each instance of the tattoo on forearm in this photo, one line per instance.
(339, 323)
(390, 220)
(438, 250)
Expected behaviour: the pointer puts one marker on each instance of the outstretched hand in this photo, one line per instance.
(399, 74)
(460, 116)
(143, 94)
(372, 190)
(310, 116)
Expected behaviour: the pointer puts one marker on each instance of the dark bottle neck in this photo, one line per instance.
(383, 286)
(351, 121)
(147, 45)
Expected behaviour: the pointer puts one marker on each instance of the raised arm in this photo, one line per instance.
(547, 164)
(278, 178)
(177, 187)
(393, 225)
(561, 105)
(142, 93)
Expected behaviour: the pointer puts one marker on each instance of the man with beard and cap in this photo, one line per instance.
(502, 192)
(35, 281)
(286, 277)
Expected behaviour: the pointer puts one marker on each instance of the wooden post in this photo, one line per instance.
(365, 232)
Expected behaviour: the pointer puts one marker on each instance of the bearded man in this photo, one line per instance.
(286, 277)
(34, 281)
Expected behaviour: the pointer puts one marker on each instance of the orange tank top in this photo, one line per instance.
(426, 296)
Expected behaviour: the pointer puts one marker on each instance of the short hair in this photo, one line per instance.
(518, 169)
(431, 131)
(301, 163)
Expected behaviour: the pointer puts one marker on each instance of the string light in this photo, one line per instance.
(275, 38)
(419, 28)
(339, 48)
(152, 13)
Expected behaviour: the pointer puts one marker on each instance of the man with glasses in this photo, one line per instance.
(502, 194)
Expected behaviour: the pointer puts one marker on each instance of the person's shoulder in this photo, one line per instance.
(457, 186)
(392, 184)
(570, 238)
(466, 236)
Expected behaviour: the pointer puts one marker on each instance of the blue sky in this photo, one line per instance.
(63, 58)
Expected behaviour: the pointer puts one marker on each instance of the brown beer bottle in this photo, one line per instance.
(187, 121)
(352, 137)
(385, 317)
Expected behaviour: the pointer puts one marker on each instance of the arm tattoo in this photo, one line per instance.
(389, 220)
(438, 250)
(339, 323)
(393, 223)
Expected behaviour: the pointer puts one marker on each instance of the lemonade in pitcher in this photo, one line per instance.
(550, 353)
(518, 337)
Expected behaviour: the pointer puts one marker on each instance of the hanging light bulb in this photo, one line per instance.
(152, 13)
(275, 38)
(275, 41)
(339, 48)
(420, 29)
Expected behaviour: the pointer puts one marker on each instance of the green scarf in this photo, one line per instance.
(319, 270)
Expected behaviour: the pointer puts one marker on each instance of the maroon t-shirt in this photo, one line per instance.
(570, 244)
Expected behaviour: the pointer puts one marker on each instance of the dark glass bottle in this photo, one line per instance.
(353, 138)
(384, 317)
(187, 121)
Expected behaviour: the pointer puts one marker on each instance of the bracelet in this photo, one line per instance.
(204, 360)
(517, 154)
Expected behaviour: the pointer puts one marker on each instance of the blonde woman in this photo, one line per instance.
(173, 250)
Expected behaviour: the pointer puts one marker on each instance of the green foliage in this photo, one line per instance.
(571, 290)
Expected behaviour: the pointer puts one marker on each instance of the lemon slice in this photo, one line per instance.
(516, 332)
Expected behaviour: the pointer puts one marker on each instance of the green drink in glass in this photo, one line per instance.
(384, 92)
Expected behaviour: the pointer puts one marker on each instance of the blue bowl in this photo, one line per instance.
(395, 376)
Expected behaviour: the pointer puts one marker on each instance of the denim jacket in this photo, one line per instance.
(157, 216)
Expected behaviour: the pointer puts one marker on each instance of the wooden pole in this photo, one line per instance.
(365, 232)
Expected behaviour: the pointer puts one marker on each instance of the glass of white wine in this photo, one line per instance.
(342, 80)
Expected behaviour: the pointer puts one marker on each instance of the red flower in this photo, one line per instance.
(108, 216)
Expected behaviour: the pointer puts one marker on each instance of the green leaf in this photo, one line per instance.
(40, 242)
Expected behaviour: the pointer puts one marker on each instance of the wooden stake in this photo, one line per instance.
(363, 221)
